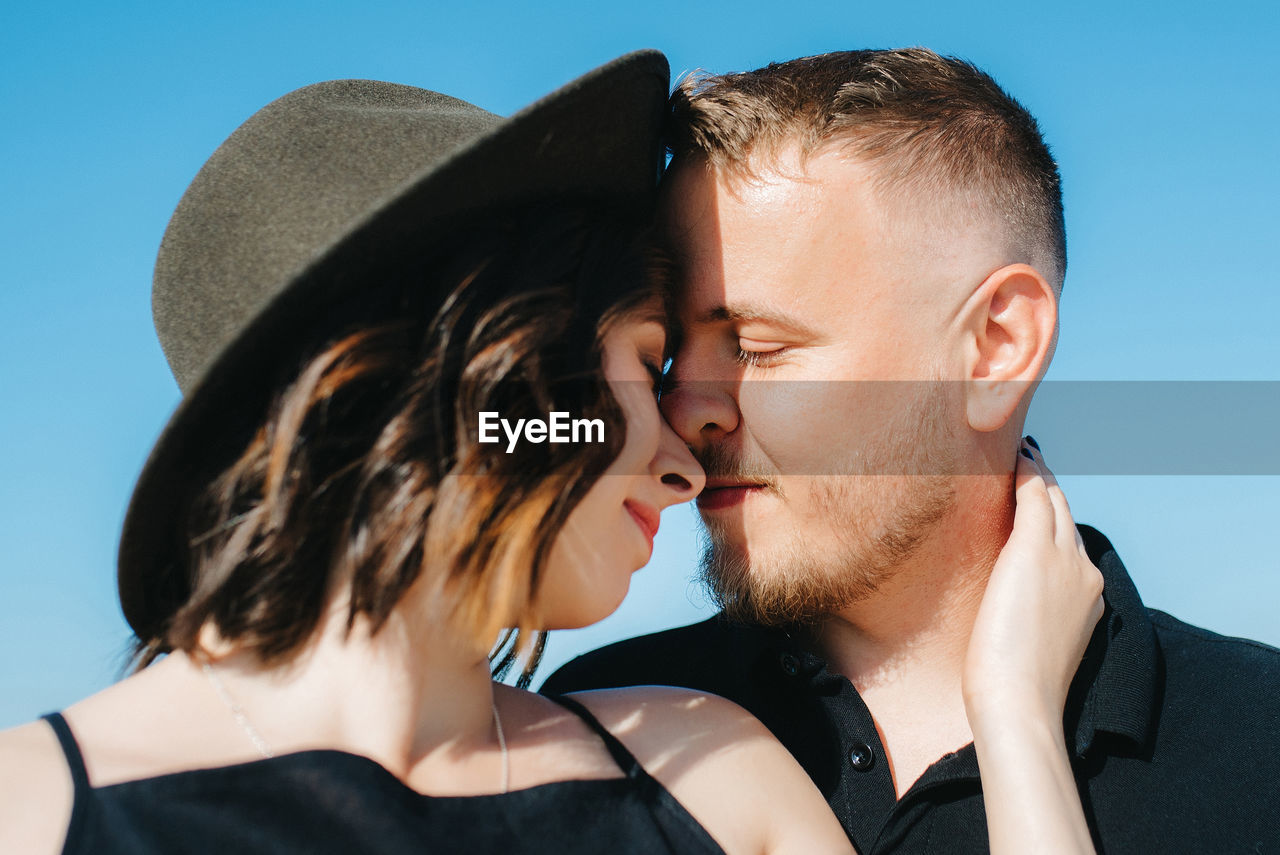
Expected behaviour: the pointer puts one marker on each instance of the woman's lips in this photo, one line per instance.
(646, 518)
(726, 496)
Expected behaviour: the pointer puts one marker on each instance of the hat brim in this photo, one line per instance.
(598, 135)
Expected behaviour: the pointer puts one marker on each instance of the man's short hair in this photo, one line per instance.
(932, 126)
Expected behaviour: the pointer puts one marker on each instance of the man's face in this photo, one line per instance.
(796, 288)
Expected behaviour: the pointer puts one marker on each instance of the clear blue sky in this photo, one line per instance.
(1164, 119)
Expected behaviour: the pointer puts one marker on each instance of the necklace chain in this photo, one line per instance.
(265, 750)
(237, 713)
(502, 745)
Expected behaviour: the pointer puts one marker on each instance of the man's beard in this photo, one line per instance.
(879, 521)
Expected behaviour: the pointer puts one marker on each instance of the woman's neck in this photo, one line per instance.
(411, 697)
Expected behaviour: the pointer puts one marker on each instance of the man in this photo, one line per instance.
(894, 216)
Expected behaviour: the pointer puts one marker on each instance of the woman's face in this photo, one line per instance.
(610, 533)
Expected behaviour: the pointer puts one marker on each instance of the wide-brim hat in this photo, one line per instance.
(275, 239)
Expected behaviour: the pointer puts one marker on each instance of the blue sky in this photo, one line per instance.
(1164, 123)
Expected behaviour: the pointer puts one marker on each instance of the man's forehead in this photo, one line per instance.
(803, 236)
(784, 196)
(742, 244)
(686, 201)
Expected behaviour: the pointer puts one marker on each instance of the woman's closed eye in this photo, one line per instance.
(655, 373)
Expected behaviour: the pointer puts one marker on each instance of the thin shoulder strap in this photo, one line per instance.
(70, 748)
(625, 759)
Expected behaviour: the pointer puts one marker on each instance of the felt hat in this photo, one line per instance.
(276, 236)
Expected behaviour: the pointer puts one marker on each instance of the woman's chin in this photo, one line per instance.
(584, 611)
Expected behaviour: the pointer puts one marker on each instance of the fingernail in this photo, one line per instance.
(1027, 454)
(1031, 441)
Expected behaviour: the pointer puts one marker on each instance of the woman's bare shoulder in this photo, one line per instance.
(35, 790)
(36, 786)
(677, 732)
(658, 713)
(723, 765)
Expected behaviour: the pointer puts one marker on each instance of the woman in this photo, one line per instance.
(322, 550)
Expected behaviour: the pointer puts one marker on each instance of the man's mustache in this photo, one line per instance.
(721, 461)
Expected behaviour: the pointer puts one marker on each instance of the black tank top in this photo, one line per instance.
(324, 801)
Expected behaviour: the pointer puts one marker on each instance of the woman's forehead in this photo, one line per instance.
(652, 309)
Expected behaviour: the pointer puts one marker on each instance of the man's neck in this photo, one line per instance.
(904, 647)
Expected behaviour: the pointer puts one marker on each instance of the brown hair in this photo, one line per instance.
(367, 470)
(930, 124)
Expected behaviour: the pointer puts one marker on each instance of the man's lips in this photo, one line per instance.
(723, 493)
(646, 518)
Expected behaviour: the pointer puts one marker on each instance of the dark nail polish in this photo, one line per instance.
(1031, 441)
(1026, 454)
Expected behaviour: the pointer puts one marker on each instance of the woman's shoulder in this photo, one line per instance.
(36, 790)
(671, 731)
(120, 733)
(668, 727)
(723, 765)
(646, 711)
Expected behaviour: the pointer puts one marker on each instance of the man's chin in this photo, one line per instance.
(757, 531)
(770, 592)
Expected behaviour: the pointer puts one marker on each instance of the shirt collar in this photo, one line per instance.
(1116, 686)
(1114, 690)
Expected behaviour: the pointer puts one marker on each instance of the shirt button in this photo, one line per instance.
(790, 664)
(861, 757)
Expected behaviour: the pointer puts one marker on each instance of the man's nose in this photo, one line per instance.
(700, 411)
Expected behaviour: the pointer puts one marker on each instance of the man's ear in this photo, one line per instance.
(1012, 324)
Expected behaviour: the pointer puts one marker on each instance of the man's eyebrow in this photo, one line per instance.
(755, 314)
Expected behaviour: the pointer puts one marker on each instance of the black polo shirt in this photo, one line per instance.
(1175, 730)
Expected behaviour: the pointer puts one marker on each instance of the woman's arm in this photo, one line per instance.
(1041, 606)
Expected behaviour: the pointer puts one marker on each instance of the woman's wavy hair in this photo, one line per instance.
(367, 471)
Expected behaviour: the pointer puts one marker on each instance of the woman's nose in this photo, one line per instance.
(673, 465)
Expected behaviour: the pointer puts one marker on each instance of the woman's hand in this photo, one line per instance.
(1039, 611)
(1040, 608)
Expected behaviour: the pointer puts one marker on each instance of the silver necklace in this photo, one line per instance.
(237, 713)
(502, 745)
(265, 750)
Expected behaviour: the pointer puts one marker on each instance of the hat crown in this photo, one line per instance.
(286, 185)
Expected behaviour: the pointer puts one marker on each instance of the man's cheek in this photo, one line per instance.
(822, 427)
(795, 424)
